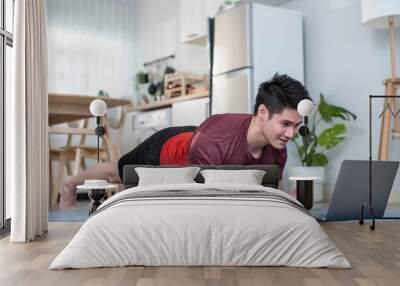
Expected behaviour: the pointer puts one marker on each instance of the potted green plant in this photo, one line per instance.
(327, 130)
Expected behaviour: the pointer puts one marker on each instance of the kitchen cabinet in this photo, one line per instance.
(193, 17)
(190, 112)
(212, 7)
(141, 122)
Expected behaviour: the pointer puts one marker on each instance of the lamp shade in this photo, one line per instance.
(98, 107)
(375, 13)
(305, 107)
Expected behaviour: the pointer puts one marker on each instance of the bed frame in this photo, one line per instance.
(270, 179)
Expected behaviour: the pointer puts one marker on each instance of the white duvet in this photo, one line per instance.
(182, 231)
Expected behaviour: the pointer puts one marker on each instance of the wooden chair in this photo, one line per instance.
(77, 153)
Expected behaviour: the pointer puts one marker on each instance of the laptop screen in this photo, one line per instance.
(352, 188)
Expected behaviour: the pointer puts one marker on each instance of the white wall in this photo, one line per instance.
(91, 46)
(157, 31)
(346, 61)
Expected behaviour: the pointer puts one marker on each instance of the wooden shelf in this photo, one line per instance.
(183, 79)
(190, 78)
(166, 102)
(175, 89)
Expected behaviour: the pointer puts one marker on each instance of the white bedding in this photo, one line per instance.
(181, 231)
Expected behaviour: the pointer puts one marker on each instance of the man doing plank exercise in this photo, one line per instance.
(224, 139)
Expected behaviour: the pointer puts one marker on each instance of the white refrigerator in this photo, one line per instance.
(250, 44)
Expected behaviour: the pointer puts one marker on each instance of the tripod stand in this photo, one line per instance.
(390, 110)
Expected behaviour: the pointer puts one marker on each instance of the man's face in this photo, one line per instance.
(280, 128)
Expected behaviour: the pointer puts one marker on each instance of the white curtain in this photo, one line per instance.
(28, 125)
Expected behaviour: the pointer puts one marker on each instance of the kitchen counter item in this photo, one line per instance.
(167, 102)
(179, 84)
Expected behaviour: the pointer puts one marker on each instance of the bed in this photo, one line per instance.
(201, 224)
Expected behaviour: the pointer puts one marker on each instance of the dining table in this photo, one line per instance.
(71, 107)
(66, 108)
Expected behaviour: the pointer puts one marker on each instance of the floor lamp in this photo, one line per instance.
(98, 108)
(385, 14)
(97, 194)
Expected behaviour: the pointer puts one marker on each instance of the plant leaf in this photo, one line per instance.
(319, 159)
(323, 108)
(318, 142)
(332, 136)
(330, 111)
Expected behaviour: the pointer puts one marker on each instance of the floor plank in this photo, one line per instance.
(375, 257)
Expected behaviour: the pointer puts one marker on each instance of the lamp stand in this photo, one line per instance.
(389, 110)
(305, 137)
(390, 104)
(96, 196)
(303, 131)
(100, 131)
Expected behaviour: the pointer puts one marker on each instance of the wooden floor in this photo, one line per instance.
(375, 257)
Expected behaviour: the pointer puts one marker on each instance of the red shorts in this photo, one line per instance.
(175, 149)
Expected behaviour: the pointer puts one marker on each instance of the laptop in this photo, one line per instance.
(352, 190)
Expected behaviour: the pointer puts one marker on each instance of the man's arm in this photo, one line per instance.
(280, 185)
(282, 162)
(204, 151)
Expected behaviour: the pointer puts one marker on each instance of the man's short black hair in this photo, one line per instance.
(279, 93)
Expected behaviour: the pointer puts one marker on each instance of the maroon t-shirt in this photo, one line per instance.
(222, 140)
